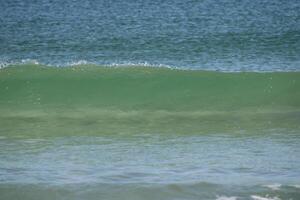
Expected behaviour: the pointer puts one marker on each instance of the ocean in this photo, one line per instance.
(158, 100)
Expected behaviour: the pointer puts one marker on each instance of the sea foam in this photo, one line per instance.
(256, 197)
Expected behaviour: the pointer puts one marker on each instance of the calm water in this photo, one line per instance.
(117, 123)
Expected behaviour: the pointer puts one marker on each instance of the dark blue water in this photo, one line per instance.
(228, 35)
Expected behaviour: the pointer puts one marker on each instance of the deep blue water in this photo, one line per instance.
(250, 35)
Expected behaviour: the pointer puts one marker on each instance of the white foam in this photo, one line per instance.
(136, 64)
(295, 186)
(79, 62)
(225, 198)
(4, 64)
(275, 186)
(29, 61)
(255, 197)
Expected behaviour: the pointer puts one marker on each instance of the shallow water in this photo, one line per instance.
(151, 166)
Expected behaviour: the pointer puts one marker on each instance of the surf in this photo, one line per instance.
(90, 99)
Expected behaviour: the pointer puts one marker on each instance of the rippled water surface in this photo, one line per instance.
(177, 166)
(228, 35)
(144, 99)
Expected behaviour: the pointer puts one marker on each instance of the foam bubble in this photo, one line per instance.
(79, 62)
(4, 63)
(275, 186)
(256, 197)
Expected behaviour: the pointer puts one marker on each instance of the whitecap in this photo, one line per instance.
(30, 61)
(139, 64)
(255, 197)
(275, 186)
(77, 63)
(295, 186)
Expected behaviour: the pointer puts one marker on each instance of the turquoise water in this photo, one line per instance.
(150, 100)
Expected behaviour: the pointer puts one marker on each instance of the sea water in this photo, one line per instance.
(150, 100)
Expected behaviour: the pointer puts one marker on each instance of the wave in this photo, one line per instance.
(81, 63)
(274, 186)
(255, 197)
(33, 62)
(140, 98)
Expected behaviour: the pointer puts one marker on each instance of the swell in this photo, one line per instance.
(148, 88)
(140, 98)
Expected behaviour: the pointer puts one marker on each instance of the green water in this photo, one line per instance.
(94, 100)
(96, 132)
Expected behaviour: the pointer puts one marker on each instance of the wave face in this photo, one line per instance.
(142, 99)
(247, 35)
